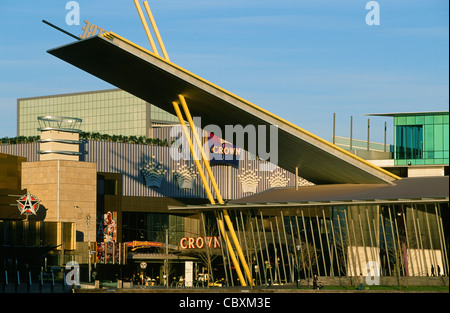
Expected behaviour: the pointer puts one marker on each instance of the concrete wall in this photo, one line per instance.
(417, 171)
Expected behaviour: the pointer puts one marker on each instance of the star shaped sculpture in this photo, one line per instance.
(28, 204)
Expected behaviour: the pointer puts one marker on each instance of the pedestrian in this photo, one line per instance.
(438, 270)
(315, 280)
(360, 282)
(432, 270)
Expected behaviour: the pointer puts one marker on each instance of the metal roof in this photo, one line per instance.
(407, 190)
(158, 81)
(408, 113)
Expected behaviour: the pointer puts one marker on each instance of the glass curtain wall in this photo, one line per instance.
(112, 112)
(422, 139)
(409, 142)
(287, 245)
(291, 245)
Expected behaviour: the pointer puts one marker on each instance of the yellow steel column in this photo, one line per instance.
(199, 144)
(155, 29)
(194, 154)
(238, 246)
(231, 251)
(147, 30)
(216, 189)
(208, 191)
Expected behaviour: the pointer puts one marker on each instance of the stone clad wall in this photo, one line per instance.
(67, 190)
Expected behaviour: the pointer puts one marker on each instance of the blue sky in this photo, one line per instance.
(302, 60)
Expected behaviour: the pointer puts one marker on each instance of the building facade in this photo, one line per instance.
(288, 231)
(144, 210)
(421, 138)
(420, 145)
(113, 112)
(133, 185)
(142, 202)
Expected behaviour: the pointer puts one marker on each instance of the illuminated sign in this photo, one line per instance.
(110, 227)
(222, 152)
(143, 244)
(91, 30)
(199, 242)
(28, 204)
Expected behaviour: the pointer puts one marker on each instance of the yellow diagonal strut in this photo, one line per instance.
(216, 188)
(208, 190)
(147, 30)
(155, 29)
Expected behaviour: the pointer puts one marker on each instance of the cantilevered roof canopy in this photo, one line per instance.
(405, 191)
(158, 81)
(408, 113)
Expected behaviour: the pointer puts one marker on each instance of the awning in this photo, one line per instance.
(18, 251)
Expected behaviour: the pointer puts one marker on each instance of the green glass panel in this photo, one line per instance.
(420, 120)
(428, 138)
(396, 120)
(429, 119)
(401, 120)
(428, 155)
(411, 120)
(438, 119)
(446, 137)
(438, 138)
(400, 162)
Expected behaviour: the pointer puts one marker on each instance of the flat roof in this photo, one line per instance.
(408, 113)
(70, 94)
(408, 190)
(435, 187)
(159, 82)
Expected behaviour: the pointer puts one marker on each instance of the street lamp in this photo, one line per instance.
(88, 223)
(167, 258)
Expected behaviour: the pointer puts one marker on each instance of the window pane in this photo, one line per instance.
(438, 138)
(429, 138)
(409, 142)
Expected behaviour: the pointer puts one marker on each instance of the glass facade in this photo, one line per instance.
(410, 141)
(158, 115)
(421, 138)
(113, 112)
(144, 226)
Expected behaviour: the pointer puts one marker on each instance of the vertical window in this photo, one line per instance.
(409, 142)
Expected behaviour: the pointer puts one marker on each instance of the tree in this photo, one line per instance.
(306, 253)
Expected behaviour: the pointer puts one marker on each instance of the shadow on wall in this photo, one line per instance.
(40, 214)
